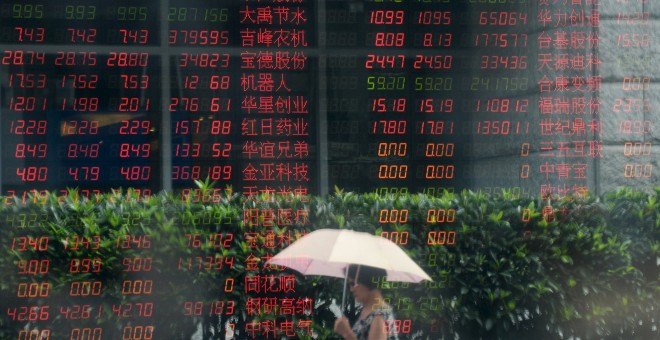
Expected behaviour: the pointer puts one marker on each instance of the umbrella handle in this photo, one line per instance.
(343, 295)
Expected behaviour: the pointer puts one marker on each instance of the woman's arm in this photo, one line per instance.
(377, 329)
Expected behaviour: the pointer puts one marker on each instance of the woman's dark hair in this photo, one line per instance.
(366, 275)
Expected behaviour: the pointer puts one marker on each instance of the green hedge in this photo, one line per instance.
(510, 267)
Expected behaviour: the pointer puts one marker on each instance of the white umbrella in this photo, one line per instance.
(328, 251)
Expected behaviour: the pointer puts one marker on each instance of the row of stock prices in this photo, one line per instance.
(296, 97)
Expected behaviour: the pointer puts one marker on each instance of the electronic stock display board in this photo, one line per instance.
(386, 96)
(299, 97)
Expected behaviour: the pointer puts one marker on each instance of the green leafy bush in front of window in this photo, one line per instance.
(504, 266)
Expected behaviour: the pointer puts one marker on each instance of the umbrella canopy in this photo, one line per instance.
(328, 251)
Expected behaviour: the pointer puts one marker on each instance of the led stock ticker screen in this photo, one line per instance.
(234, 105)
(548, 98)
(385, 96)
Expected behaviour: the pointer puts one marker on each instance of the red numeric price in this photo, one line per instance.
(28, 313)
(30, 34)
(85, 265)
(134, 36)
(136, 173)
(32, 174)
(85, 173)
